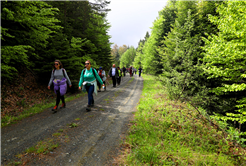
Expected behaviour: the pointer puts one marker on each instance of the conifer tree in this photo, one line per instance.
(26, 28)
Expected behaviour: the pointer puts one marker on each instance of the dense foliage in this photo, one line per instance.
(197, 48)
(35, 33)
(128, 57)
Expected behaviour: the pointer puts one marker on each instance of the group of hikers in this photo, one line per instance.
(90, 79)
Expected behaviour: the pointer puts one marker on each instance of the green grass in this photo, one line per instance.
(43, 147)
(56, 134)
(60, 130)
(72, 125)
(8, 119)
(167, 132)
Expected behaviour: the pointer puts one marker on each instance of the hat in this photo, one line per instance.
(100, 68)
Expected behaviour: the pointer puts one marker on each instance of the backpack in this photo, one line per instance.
(63, 71)
(93, 70)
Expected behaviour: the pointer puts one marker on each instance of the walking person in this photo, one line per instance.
(124, 71)
(59, 78)
(113, 72)
(119, 76)
(102, 75)
(140, 71)
(130, 71)
(88, 77)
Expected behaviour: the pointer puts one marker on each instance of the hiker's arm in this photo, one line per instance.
(81, 80)
(69, 82)
(51, 79)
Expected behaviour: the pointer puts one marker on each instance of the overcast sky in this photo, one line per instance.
(131, 19)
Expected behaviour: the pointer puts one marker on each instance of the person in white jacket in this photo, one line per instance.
(102, 75)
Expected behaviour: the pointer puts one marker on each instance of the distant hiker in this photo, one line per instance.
(102, 75)
(113, 72)
(59, 78)
(119, 76)
(130, 71)
(135, 70)
(140, 71)
(124, 71)
(88, 77)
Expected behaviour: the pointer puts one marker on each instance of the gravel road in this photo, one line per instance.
(96, 139)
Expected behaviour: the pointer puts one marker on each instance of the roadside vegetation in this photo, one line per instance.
(197, 50)
(170, 132)
(11, 119)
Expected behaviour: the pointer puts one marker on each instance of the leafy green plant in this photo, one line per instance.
(225, 57)
(73, 125)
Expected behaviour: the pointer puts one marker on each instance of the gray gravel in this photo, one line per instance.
(96, 139)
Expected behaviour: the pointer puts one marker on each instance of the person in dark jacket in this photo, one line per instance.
(58, 75)
(140, 71)
(124, 71)
(113, 72)
(119, 76)
(130, 71)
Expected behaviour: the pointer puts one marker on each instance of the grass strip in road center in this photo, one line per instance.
(167, 132)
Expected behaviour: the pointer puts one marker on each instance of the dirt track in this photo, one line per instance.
(93, 142)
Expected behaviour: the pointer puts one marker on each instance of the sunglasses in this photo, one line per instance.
(56, 64)
(87, 63)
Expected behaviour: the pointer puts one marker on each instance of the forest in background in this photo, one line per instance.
(198, 51)
(35, 33)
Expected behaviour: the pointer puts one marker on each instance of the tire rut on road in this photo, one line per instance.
(92, 142)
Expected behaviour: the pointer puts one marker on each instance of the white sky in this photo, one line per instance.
(131, 19)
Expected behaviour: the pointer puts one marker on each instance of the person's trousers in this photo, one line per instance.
(90, 90)
(114, 81)
(59, 97)
(124, 74)
(139, 74)
(119, 80)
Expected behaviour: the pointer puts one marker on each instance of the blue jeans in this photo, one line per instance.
(90, 90)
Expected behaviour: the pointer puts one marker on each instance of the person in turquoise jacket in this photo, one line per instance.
(88, 79)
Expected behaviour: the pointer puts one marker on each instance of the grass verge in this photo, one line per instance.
(8, 119)
(167, 132)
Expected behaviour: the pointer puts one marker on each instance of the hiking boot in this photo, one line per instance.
(63, 105)
(55, 109)
(88, 108)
